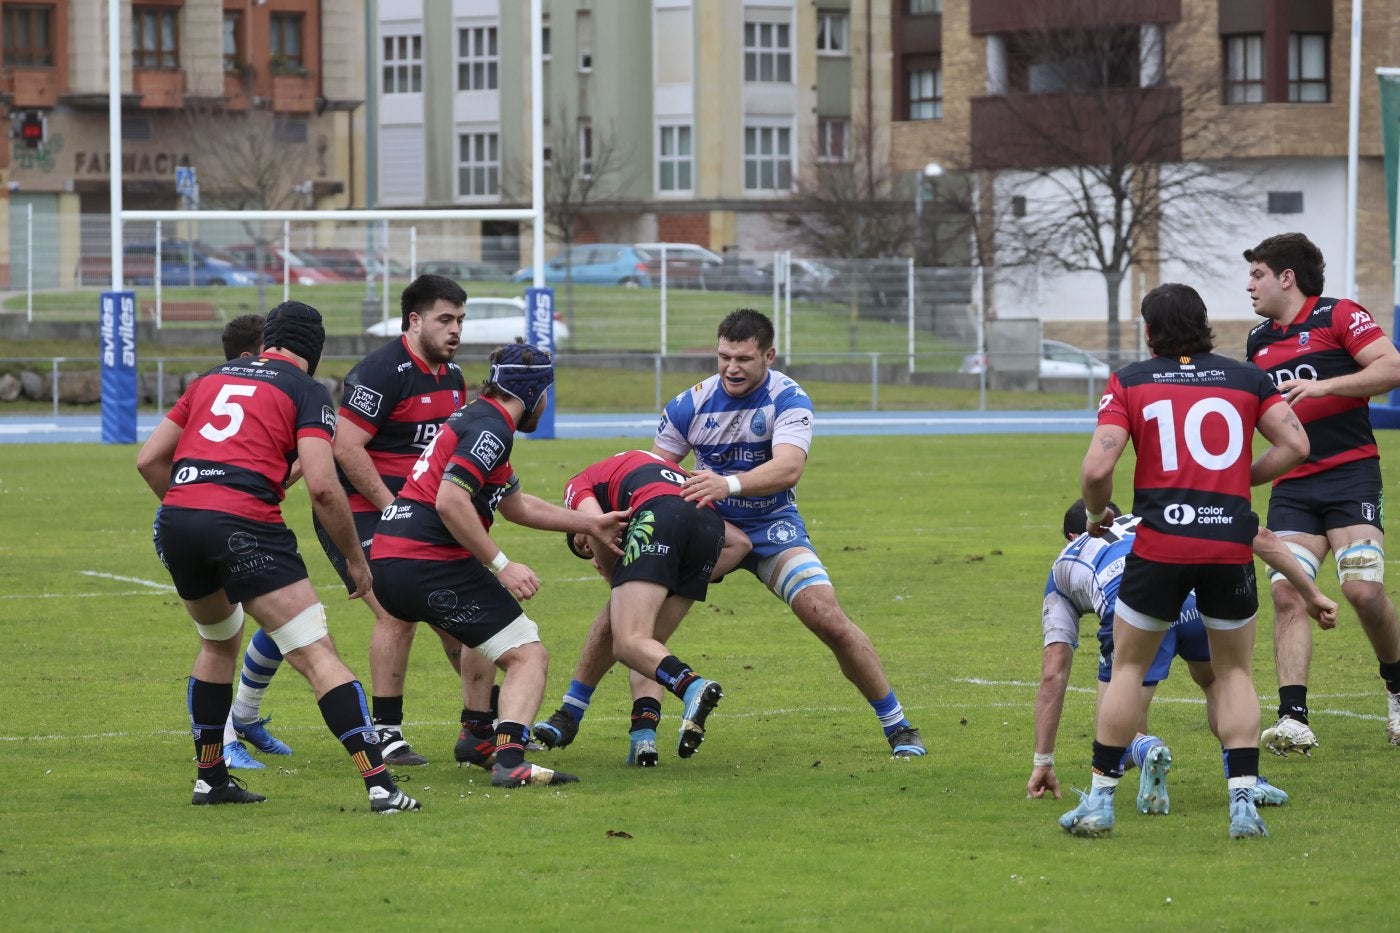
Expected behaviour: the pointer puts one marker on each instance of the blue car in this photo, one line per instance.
(596, 264)
(182, 265)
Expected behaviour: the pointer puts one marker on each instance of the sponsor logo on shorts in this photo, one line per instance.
(1368, 511)
(488, 449)
(442, 600)
(365, 400)
(241, 542)
(782, 532)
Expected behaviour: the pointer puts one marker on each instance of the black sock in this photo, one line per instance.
(478, 722)
(388, 711)
(343, 709)
(1390, 673)
(646, 713)
(510, 744)
(1242, 762)
(1293, 702)
(495, 702)
(1108, 759)
(209, 706)
(674, 674)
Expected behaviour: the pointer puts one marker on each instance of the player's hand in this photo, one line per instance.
(1295, 390)
(1042, 779)
(705, 487)
(361, 577)
(1324, 611)
(609, 527)
(1099, 529)
(519, 580)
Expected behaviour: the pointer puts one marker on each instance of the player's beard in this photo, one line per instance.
(529, 422)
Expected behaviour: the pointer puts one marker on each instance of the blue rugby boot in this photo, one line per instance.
(1094, 815)
(1267, 795)
(236, 756)
(264, 741)
(641, 751)
(700, 698)
(1244, 818)
(1152, 785)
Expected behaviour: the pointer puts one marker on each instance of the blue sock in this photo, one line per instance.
(576, 700)
(1140, 747)
(260, 662)
(889, 711)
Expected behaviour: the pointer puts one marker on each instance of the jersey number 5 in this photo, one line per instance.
(1164, 413)
(223, 408)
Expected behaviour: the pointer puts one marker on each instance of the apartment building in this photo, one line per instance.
(232, 88)
(1251, 93)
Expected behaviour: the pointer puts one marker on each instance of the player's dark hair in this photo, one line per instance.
(1292, 251)
(1076, 517)
(747, 324)
(244, 334)
(423, 292)
(1176, 321)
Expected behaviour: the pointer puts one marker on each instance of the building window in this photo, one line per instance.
(1307, 67)
(157, 34)
(233, 47)
(917, 7)
(1285, 202)
(833, 32)
(674, 159)
(545, 39)
(28, 36)
(585, 148)
(285, 45)
(831, 140)
(584, 25)
(767, 158)
(1244, 69)
(477, 59)
(767, 52)
(478, 164)
(925, 93)
(1018, 205)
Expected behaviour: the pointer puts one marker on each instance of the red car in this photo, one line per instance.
(275, 260)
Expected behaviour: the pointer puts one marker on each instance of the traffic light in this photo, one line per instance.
(32, 129)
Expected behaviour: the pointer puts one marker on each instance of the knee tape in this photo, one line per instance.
(1304, 556)
(1362, 560)
(796, 575)
(302, 629)
(223, 631)
(520, 632)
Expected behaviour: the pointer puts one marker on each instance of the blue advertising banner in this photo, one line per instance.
(118, 336)
(539, 332)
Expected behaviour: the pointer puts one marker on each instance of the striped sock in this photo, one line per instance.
(260, 662)
(208, 704)
(1137, 752)
(890, 713)
(576, 700)
(347, 716)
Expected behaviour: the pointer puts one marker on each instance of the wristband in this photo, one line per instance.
(1043, 760)
(498, 563)
(733, 482)
(1096, 517)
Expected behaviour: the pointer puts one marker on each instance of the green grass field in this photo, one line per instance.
(791, 815)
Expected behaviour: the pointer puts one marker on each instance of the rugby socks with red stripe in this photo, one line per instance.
(1108, 759)
(675, 675)
(510, 745)
(347, 716)
(646, 714)
(209, 704)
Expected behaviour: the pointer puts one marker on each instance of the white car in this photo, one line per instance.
(1057, 361)
(494, 321)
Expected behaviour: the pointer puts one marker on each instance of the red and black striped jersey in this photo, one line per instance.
(1192, 420)
(625, 481)
(400, 401)
(241, 422)
(1320, 343)
(471, 449)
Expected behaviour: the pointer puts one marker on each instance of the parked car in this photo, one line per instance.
(351, 264)
(596, 264)
(493, 321)
(1057, 361)
(810, 279)
(182, 263)
(276, 260)
(686, 263)
(464, 270)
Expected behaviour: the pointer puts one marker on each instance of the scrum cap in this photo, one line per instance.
(526, 381)
(297, 327)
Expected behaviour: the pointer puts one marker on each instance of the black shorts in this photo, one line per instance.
(459, 597)
(671, 542)
(1223, 591)
(365, 523)
(206, 550)
(1350, 494)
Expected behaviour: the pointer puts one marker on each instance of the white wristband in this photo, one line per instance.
(1043, 760)
(1096, 517)
(498, 563)
(733, 482)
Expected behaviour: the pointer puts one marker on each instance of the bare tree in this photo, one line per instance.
(1097, 124)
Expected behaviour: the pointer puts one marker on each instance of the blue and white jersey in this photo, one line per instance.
(733, 435)
(1084, 579)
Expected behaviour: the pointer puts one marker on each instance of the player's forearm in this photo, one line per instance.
(1377, 378)
(333, 512)
(357, 466)
(1049, 709)
(534, 512)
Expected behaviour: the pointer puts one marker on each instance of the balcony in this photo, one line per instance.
(1104, 127)
(160, 90)
(237, 89)
(31, 87)
(994, 16)
(293, 93)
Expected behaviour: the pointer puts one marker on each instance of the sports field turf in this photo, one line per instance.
(791, 815)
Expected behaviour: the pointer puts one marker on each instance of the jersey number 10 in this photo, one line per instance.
(1164, 413)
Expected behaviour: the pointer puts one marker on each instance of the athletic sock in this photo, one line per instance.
(1137, 752)
(1242, 763)
(209, 705)
(890, 713)
(646, 714)
(346, 715)
(388, 712)
(674, 674)
(479, 722)
(260, 662)
(576, 700)
(1390, 673)
(510, 744)
(1293, 702)
(1107, 759)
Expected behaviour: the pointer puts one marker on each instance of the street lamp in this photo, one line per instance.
(930, 172)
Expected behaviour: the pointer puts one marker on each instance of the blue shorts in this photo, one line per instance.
(1186, 639)
(772, 533)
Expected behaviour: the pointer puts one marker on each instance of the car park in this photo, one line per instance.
(276, 262)
(1057, 361)
(488, 321)
(465, 270)
(595, 264)
(183, 263)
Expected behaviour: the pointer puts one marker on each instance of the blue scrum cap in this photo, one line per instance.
(526, 381)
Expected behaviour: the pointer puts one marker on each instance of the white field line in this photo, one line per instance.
(165, 587)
